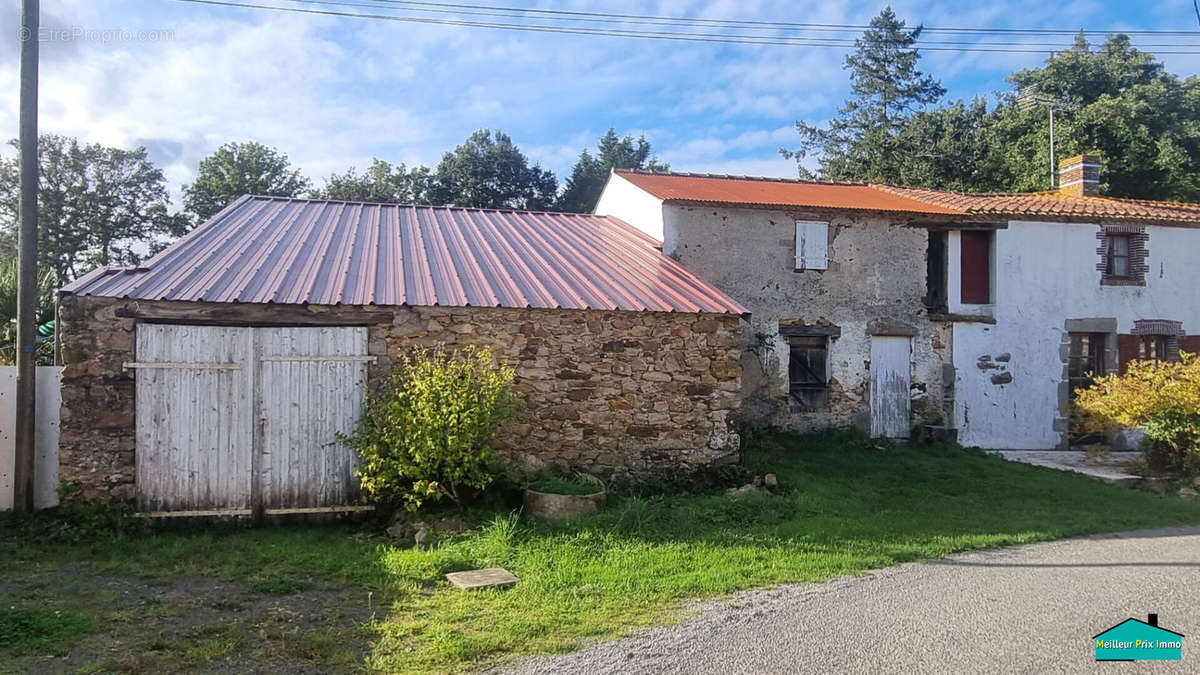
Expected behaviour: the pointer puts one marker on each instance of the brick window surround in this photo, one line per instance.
(1170, 331)
(1138, 251)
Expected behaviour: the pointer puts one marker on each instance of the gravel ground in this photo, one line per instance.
(1032, 609)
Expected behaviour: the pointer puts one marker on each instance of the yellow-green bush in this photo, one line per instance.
(427, 433)
(1162, 399)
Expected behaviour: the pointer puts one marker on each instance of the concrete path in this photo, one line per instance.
(1115, 467)
(1032, 609)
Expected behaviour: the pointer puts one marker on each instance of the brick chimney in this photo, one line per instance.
(1079, 176)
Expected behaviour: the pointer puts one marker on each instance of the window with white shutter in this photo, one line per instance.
(812, 245)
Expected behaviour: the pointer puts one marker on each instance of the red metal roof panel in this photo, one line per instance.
(300, 251)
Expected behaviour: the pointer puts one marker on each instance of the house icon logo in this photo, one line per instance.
(1134, 640)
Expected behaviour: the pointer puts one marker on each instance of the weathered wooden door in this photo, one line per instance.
(311, 390)
(890, 383)
(193, 418)
(242, 420)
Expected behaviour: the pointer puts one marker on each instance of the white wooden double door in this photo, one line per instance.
(246, 420)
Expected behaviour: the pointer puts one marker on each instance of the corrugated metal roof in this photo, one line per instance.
(298, 251)
(747, 191)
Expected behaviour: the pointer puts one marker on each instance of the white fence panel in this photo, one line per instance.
(48, 405)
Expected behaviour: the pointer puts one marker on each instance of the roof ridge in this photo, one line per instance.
(729, 176)
(959, 193)
(1047, 194)
(440, 207)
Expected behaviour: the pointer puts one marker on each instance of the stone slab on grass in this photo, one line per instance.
(492, 577)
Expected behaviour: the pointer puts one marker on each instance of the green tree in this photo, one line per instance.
(949, 148)
(96, 206)
(590, 173)
(47, 285)
(492, 172)
(382, 182)
(237, 169)
(1143, 121)
(863, 141)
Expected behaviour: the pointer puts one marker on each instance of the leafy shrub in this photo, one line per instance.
(426, 434)
(1161, 398)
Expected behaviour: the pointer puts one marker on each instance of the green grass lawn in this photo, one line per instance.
(844, 508)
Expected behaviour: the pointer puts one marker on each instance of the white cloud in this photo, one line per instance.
(332, 93)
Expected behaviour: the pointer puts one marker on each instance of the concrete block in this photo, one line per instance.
(492, 577)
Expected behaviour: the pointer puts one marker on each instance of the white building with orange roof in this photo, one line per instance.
(901, 309)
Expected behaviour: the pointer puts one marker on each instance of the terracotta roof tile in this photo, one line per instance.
(748, 191)
(1053, 204)
(777, 193)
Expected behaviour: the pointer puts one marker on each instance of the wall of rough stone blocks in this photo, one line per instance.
(612, 393)
(875, 277)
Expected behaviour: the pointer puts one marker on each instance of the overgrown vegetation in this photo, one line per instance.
(426, 434)
(574, 484)
(1160, 397)
(76, 524)
(844, 507)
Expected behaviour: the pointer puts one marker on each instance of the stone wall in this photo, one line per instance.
(874, 285)
(613, 393)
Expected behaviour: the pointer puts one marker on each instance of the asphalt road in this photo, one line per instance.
(1032, 609)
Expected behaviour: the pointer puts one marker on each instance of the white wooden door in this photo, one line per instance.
(311, 390)
(890, 383)
(193, 418)
(246, 420)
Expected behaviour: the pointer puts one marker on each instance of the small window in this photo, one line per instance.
(1085, 360)
(808, 370)
(976, 266)
(812, 245)
(1118, 256)
(1152, 348)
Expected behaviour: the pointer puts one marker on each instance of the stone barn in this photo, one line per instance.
(217, 376)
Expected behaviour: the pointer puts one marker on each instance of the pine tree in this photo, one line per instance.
(588, 177)
(862, 142)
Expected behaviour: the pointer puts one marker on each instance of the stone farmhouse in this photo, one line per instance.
(900, 310)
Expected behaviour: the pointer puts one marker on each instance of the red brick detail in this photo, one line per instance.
(1139, 253)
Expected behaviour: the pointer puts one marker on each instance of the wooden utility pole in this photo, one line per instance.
(27, 245)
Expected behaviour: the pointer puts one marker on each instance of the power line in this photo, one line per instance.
(576, 30)
(656, 21)
(771, 24)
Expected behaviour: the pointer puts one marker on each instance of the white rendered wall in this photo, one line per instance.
(631, 204)
(1045, 274)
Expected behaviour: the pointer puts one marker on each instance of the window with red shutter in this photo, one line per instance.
(976, 264)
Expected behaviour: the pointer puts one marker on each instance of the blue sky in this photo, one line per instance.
(335, 92)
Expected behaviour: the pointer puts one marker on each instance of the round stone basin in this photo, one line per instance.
(551, 506)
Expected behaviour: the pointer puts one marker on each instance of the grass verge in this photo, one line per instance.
(844, 507)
